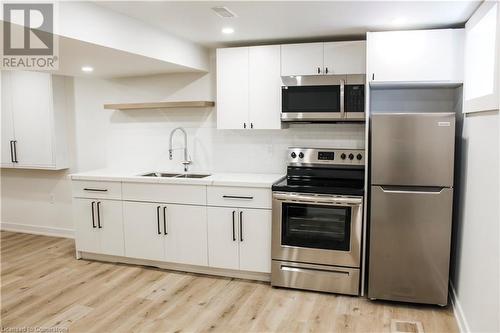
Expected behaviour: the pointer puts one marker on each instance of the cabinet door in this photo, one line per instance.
(33, 118)
(482, 59)
(345, 57)
(143, 232)
(86, 230)
(222, 237)
(232, 88)
(7, 121)
(302, 59)
(265, 87)
(255, 240)
(110, 224)
(424, 55)
(186, 239)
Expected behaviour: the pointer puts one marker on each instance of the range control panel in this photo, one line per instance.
(325, 156)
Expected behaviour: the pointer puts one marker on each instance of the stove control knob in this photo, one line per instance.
(351, 156)
(342, 156)
(301, 155)
(359, 157)
(293, 155)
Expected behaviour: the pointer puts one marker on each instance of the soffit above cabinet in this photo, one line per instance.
(115, 45)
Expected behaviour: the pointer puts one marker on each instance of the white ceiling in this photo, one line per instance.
(285, 21)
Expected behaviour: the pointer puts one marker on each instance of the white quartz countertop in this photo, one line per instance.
(215, 179)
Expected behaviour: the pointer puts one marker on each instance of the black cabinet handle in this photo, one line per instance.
(251, 125)
(158, 219)
(14, 151)
(93, 217)
(99, 215)
(95, 189)
(234, 236)
(373, 76)
(165, 220)
(244, 125)
(319, 70)
(237, 197)
(241, 226)
(326, 70)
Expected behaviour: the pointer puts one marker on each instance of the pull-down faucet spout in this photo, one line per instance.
(186, 162)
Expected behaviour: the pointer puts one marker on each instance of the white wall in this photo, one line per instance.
(139, 140)
(476, 273)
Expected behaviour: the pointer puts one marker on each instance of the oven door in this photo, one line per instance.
(317, 229)
(311, 103)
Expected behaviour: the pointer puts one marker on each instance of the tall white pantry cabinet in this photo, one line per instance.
(34, 108)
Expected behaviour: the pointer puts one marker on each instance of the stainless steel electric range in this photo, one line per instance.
(317, 221)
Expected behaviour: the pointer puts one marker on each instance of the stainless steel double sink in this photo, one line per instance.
(174, 175)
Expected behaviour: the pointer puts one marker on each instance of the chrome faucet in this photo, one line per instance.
(186, 160)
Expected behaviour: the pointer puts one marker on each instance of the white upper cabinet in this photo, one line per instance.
(34, 112)
(232, 88)
(302, 59)
(415, 56)
(333, 58)
(265, 87)
(248, 88)
(482, 59)
(345, 57)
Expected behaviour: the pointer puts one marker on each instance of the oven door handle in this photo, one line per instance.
(317, 199)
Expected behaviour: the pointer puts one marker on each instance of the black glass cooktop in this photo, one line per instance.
(336, 180)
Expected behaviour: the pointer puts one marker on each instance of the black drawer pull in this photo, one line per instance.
(95, 189)
(237, 197)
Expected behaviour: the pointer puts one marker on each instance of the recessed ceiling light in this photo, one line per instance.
(227, 30)
(87, 69)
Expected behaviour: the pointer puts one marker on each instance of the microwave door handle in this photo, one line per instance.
(342, 86)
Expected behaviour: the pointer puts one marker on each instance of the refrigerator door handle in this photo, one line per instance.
(412, 189)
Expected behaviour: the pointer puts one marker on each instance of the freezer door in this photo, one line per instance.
(410, 231)
(413, 149)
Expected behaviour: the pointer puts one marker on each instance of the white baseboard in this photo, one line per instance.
(37, 230)
(463, 326)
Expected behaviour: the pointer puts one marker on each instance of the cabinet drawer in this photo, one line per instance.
(96, 189)
(168, 193)
(239, 196)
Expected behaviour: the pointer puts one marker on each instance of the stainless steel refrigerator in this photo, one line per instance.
(412, 162)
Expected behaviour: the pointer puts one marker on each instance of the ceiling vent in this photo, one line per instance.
(224, 12)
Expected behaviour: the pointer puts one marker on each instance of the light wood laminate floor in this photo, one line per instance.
(43, 285)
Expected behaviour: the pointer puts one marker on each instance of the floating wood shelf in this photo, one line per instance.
(160, 105)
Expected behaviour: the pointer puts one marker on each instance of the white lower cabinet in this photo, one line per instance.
(144, 238)
(186, 239)
(222, 238)
(166, 232)
(239, 239)
(119, 219)
(99, 226)
(255, 244)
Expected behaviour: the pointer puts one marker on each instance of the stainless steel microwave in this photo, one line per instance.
(323, 98)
